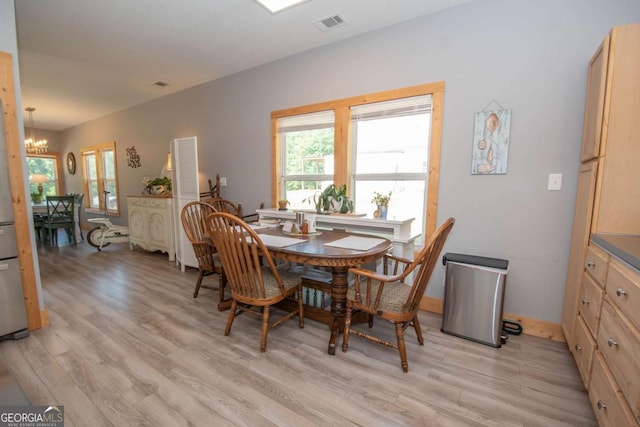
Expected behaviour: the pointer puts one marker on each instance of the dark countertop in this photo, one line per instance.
(624, 246)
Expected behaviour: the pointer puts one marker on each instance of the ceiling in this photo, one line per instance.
(82, 59)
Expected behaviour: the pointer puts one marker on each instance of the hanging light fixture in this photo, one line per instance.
(33, 145)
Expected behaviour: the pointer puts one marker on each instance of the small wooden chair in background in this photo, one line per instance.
(194, 216)
(387, 296)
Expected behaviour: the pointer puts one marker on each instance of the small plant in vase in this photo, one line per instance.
(382, 202)
(282, 204)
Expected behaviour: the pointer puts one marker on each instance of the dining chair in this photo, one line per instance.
(255, 285)
(60, 214)
(388, 297)
(224, 205)
(194, 221)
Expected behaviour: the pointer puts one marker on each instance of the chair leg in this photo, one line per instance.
(232, 314)
(198, 283)
(370, 320)
(265, 329)
(416, 326)
(300, 308)
(347, 325)
(401, 347)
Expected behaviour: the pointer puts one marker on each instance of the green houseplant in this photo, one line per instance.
(158, 185)
(332, 199)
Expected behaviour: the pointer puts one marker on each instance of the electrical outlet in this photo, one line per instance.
(555, 182)
(223, 181)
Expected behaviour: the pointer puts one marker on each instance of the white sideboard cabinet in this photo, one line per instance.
(151, 223)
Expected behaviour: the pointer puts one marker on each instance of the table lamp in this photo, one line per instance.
(39, 179)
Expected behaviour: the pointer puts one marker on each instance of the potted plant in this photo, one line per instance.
(382, 202)
(332, 199)
(36, 197)
(282, 204)
(158, 185)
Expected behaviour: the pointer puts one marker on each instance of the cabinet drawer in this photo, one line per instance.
(623, 288)
(590, 303)
(607, 401)
(619, 343)
(583, 350)
(596, 263)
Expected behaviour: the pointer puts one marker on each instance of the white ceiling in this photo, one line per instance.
(82, 59)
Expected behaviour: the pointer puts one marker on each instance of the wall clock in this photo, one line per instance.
(71, 163)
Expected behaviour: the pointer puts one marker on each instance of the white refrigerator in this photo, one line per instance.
(13, 314)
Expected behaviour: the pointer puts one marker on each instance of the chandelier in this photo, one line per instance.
(33, 145)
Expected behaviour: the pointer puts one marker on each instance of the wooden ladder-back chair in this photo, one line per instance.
(194, 221)
(60, 214)
(387, 296)
(224, 205)
(214, 189)
(255, 282)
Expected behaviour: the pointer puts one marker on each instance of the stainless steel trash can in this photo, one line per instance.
(473, 297)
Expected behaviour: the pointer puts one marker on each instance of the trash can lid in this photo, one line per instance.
(476, 260)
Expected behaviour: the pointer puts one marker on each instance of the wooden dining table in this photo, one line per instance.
(321, 249)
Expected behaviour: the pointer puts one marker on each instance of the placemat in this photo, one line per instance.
(355, 242)
(279, 241)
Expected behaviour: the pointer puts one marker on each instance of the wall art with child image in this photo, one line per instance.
(491, 142)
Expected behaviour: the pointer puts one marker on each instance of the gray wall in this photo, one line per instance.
(530, 56)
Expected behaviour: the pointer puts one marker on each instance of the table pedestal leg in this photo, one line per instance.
(339, 288)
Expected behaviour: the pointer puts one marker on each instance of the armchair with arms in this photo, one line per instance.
(388, 297)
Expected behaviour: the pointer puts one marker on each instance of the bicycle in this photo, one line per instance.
(106, 233)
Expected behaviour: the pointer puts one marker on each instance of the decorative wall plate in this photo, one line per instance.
(71, 163)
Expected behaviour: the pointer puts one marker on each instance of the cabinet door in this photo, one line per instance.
(595, 102)
(137, 224)
(579, 240)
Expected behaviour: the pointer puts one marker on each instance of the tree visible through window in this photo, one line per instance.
(99, 173)
(387, 141)
(44, 165)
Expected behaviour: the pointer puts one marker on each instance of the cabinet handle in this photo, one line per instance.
(578, 347)
(601, 405)
(621, 292)
(612, 343)
(585, 301)
(591, 264)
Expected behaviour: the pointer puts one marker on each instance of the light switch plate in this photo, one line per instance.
(555, 182)
(223, 181)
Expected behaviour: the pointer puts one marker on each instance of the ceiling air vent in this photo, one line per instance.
(330, 22)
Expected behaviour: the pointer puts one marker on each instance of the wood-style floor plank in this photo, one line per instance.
(128, 345)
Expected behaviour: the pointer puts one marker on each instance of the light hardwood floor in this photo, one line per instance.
(128, 345)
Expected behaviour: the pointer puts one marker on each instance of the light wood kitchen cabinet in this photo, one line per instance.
(601, 312)
(595, 102)
(579, 241)
(607, 400)
(151, 224)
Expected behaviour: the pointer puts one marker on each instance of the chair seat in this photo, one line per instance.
(290, 280)
(393, 299)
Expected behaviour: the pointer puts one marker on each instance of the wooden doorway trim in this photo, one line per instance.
(18, 198)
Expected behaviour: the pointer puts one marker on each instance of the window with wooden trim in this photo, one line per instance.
(99, 173)
(386, 141)
(45, 165)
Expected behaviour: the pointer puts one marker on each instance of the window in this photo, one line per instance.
(307, 155)
(390, 145)
(387, 141)
(99, 173)
(44, 165)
